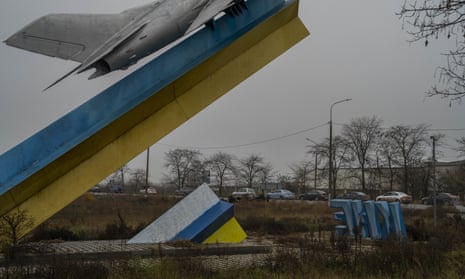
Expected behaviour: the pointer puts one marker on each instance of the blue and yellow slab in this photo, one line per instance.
(230, 232)
(52, 168)
(201, 217)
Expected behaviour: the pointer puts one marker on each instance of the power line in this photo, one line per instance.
(250, 143)
(278, 138)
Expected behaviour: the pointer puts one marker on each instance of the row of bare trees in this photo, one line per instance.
(398, 153)
(401, 153)
(187, 168)
(364, 144)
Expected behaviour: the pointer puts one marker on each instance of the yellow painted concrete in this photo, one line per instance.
(70, 176)
(230, 232)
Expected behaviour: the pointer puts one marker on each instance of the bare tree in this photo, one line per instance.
(388, 152)
(221, 163)
(180, 162)
(137, 180)
(408, 144)
(361, 134)
(13, 226)
(341, 156)
(284, 181)
(249, 168)
(454, 180)
(301, 172)
(265, 175)
(434, 19)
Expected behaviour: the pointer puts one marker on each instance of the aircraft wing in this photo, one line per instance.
(211, 9)
(68, 36)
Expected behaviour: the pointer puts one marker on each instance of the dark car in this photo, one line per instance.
(354, 196)
(315, 195)
(116, 188)
(441, 198)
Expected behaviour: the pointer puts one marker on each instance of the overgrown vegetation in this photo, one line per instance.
(302, 233)
(12, 227)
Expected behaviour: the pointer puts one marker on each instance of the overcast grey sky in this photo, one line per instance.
(357, 49)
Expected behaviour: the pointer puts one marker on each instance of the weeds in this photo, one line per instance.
(303, 233)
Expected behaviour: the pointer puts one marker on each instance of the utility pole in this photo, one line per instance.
(435, 215)
(330, 176)
(316, 169)
(147, 172)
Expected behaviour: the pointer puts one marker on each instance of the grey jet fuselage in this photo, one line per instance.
(109, 42)
(169, 20)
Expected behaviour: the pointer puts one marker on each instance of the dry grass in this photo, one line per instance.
(295, 226)
(90, 215)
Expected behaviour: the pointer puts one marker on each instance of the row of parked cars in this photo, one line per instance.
(249, 193)
(318, 195)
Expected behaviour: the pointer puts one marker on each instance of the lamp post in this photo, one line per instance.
(434, 182)
(330, 177)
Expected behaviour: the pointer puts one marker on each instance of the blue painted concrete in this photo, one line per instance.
(374, 228)
(208, 223)
(360, 220)
(399, 228)
(377, 220)
(347, 214)
(63, 135)
(386, 222)
(179, 217)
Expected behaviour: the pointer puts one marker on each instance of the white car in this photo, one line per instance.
(247, 193)
(395, 197)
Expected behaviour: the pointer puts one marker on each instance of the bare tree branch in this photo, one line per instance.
(440, 19)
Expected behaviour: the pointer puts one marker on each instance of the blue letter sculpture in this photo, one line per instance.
(376, 220)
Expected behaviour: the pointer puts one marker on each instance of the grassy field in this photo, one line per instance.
(93, 216)
(305, 245)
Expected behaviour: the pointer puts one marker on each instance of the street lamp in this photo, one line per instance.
(330, 177)
(435, 217)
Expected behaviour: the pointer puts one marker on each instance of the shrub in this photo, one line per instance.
(43, 232)
(120, 230)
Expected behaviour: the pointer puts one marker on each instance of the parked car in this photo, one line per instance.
(281, 194)
(354, 196)
(244, 193)
(116, 188)
(149, 190)
(315, 195)
(441, 198)
(395, 197)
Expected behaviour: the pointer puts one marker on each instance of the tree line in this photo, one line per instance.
(187, 168)
(400, 152)
(400, 155)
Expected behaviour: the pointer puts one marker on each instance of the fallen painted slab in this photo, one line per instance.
(200, 217)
